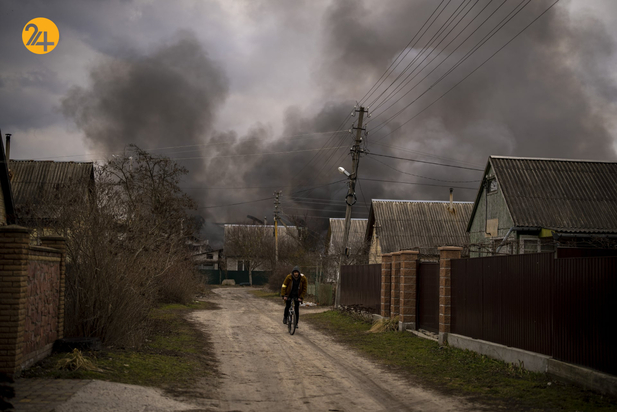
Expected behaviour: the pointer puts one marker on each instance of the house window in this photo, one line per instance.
(243, 265)
(209, 256)
(531, 246)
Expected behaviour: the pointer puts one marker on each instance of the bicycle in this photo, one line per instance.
(292, 317)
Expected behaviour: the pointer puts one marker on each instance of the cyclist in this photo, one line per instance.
(294, 286)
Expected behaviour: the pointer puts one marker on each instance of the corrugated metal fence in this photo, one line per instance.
(558, 307)
(361, 285)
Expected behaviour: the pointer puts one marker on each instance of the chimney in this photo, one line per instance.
(8, 154)
(8, 146)
(451, 207)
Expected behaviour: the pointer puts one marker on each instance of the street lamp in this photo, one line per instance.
(344, 172)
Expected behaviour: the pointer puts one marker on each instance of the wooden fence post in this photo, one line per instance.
(446, 254)
(386, 279)
(408, 290)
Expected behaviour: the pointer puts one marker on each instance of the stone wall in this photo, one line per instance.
(31, 298)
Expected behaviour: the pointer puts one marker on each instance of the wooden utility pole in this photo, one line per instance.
(350, 199)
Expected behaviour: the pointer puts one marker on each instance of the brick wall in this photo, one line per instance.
(42, 304)
(31, 298)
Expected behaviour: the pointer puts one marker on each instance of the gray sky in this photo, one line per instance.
(225, 81)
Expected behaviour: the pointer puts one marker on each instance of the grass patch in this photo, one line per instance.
(455, 371)
(175, 354)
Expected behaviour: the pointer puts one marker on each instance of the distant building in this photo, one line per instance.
(209, 260)
(395, 225)
(252, 247)
(530, 205)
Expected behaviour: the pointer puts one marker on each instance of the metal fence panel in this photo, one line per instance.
(427, 304)
(559, 307)
(361, 285)
(504, 299)
(585, 310)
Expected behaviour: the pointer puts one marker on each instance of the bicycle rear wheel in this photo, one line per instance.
(292, 323)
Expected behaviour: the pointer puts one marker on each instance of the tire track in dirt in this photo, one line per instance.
(263, 368)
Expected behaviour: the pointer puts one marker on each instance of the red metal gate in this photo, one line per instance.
(427, 303)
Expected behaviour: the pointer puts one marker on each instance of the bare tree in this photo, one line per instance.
(127, 248)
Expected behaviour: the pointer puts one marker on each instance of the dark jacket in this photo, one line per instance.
(288, 282)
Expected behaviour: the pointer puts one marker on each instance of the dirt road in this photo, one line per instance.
(266, 369)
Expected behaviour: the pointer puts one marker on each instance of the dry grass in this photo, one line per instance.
(384, 325)
(75, 361)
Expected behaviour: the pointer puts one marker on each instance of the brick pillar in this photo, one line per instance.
(59, 243)
(386, 281)
(407, 301)
(395, 286)
(446, 253)
(14, 243)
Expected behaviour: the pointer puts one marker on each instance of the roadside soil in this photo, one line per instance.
(263, 368)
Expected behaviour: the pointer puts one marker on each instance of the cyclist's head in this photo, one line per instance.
(295, 272)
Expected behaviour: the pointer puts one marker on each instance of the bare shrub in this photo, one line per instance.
(278, 276)
(126, 246)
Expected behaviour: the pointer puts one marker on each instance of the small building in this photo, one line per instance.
(252, 247)
(209, 260)
(423, 225)
(40, 187)
(530, 205)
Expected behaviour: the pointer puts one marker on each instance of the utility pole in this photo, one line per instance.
(350, 199)
(277, 203)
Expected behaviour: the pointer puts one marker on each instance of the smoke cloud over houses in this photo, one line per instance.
(549, 93)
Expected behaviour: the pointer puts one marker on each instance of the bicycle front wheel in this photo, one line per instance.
(292, 323)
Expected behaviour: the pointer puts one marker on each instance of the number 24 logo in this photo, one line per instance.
(37, 28)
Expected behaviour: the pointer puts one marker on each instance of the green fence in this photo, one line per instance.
(324, 293)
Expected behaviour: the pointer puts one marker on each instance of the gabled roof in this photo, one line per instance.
(336, 231)
(35, 183)
(558, 194)
(423, 225)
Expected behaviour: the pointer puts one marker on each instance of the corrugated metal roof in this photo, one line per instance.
(563, 195)
(355, 242)
(35, 183)
(422, 225)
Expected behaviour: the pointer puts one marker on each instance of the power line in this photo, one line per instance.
(464, 78)
(268, 198)
(183, 146)
(442, 29)
(419, 184)
(425, 177)
(424, 161)
(327, 161)
(407, 80)
(252, 154)
(494, 31)
(380, 81)
(403, 149)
